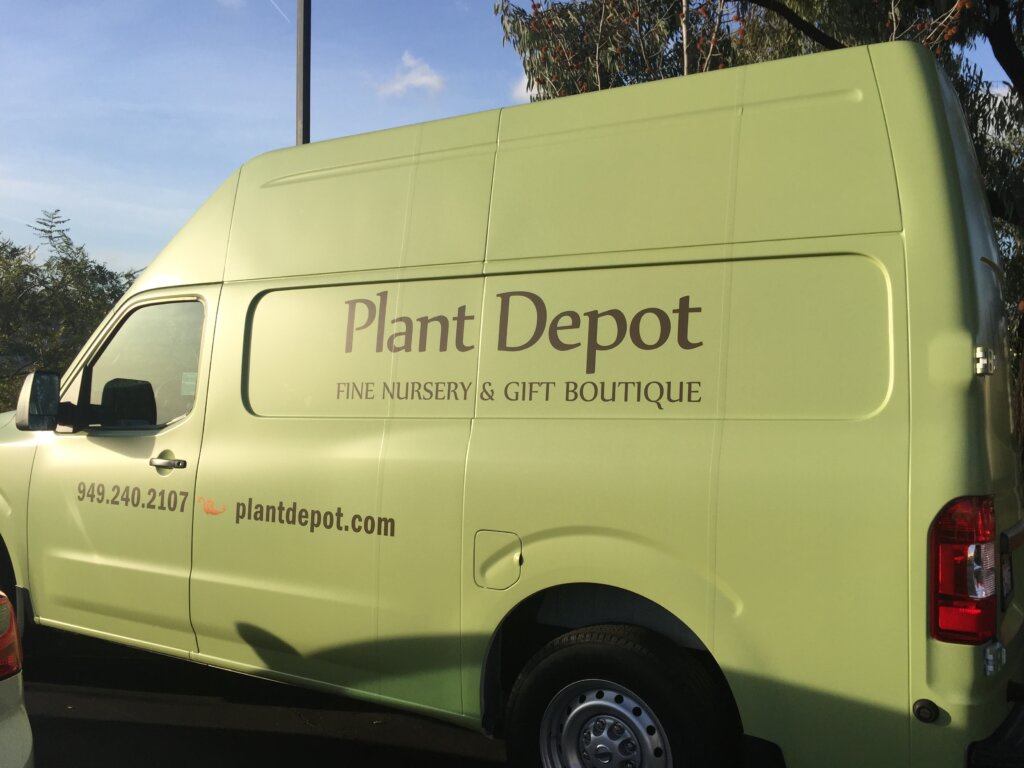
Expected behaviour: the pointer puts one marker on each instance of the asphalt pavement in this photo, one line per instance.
(98, 704)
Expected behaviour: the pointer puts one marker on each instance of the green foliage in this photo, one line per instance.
(996, 120)
(586, 45)
(50, 305)
(573, 46)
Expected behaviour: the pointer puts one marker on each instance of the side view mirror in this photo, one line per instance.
(38, 403)
(128, 403)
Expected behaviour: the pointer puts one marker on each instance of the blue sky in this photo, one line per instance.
(126, 114)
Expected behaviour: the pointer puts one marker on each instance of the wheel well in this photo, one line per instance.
(547, 614)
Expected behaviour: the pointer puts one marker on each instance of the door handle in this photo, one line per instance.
(168, 463)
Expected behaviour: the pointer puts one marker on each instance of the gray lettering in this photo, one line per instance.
(541, 317)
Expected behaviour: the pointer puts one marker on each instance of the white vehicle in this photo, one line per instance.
(15, 732)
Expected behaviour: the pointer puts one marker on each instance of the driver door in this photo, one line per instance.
(111, 498)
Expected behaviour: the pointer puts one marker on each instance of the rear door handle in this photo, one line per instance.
(168, 463)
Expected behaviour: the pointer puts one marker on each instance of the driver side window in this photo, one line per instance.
(145, 376)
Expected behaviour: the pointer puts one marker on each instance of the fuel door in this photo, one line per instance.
(497, 559)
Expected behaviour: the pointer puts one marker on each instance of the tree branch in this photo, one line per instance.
(684, 23)
(799, 23)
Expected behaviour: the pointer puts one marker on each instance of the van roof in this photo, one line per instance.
(789, 149)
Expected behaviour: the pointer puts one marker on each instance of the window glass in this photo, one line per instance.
(146, 374)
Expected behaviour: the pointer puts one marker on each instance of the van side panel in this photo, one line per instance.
(801, 438)
(331, 554)
(813, 154)
(598, 461)
(620, 172)
(811, 512)
(780, 150)
(406, 197)
(267, 592)
(774, 506)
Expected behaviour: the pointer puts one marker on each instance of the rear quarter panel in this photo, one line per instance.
(960, 430)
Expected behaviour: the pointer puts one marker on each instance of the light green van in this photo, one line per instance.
(663, 426)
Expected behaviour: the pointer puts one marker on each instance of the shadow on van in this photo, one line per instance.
(814, 727)
(357, 662)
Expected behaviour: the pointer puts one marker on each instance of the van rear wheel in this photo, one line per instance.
(617, 696)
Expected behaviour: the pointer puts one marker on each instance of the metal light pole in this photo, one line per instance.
(302, 22)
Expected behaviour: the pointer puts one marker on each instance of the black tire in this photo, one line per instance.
(618, 696)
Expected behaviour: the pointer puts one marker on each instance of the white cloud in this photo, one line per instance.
(1000, 89)
(415, 73)
(520, 92)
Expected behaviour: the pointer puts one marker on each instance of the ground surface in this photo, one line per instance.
(95, 704)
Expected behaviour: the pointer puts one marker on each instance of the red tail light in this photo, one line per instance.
(962, 580)
(10, 647)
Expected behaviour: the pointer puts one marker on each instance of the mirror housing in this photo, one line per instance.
(38, 403)
(128, 403)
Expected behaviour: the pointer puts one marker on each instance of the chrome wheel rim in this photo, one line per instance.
(600, 724)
